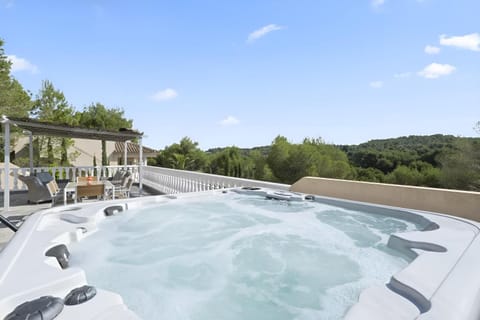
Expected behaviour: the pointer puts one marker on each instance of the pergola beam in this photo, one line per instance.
(67, 131)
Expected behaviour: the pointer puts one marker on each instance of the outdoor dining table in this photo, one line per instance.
(90, 188)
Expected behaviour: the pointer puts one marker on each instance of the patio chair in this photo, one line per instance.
(46, 177)
(55, 191)
(123, 191)
(121, 179)
(37, 191)
(117, 177)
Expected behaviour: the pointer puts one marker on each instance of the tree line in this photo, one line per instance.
(441, 161)
(51, 105)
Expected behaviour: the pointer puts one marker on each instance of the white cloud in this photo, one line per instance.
(376, 84)
(468, 41)
(20, 64)
(402, 75)
(229, 121)
(163, 95)
(431, 49)
(263, 31)
(436, 70)
(377, 3)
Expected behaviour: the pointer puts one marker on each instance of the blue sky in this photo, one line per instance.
(227, 72)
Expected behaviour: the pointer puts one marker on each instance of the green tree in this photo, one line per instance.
(277, 157)
(94, 165)
(52, 106)
(460, 169)
(387, 154)
(184, 155)
(404, 175)
(14, 100)
(290, 162)
(99, 117)
(181, 161)
(228, 162)
(418, 173)
(431, 177)
(370, 174)
(261, 170)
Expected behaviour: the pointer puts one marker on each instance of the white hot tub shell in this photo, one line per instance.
(440, 283)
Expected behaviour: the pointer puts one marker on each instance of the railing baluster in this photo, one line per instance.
(164, 179)
(15, 178)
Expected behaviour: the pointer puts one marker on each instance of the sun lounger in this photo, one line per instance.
(38, 191)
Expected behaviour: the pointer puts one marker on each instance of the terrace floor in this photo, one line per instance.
(20, 209)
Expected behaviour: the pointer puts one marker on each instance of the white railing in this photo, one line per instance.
(177, 181)
(164, 180)
(68, 173)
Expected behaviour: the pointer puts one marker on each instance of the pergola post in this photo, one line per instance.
(140, 166)
(6, 156)
(125, 154)
(30, 151)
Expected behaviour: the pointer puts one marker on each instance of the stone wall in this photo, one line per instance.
(464, 204)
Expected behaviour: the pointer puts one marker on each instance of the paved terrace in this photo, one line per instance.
(20, 210)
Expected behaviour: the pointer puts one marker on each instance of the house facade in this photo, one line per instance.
(83, 151)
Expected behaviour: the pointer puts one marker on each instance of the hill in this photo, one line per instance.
(443, 161)
(387, 154)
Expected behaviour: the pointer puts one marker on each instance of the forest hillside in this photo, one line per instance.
(442, 161)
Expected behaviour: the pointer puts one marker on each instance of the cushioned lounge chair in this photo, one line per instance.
(120, 178)
(117, 177)
(123, 191)
(42, 188)
(37, 191)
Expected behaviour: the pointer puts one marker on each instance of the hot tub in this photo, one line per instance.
(242, 253)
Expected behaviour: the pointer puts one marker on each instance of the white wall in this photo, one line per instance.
(85, 148)
(465, 204)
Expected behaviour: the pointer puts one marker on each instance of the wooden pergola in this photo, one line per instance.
(35, 127)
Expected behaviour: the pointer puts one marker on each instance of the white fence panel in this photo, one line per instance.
(68, 173)
(165, 180)
(171, 181)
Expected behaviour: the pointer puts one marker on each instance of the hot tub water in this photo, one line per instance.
(231, 256)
